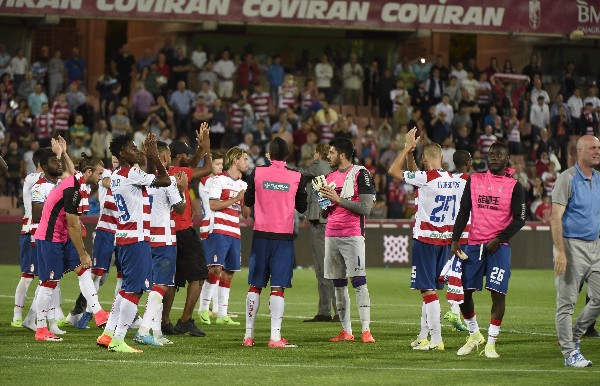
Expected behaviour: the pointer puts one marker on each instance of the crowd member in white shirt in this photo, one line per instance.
(225, 68)
(199, 57)
(537, 90)
(324, 74)
(446, 107)
(575, 104)
(459, 72)
(593, 98)
(539, 118)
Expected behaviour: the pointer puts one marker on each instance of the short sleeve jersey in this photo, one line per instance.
(108, 209)
(208, 216)
(129, 188)
(227, 220)
(30, 180)
(437, 205)
(39, 194)
(183, 221)
(162, 227)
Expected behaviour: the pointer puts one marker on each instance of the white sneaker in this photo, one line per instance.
(53, 328)
(490, 351)
(30, 322)
(472, 341)
(577, 360)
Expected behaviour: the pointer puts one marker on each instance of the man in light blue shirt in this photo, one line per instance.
(182, 102)
(575, 232)
(275, 76)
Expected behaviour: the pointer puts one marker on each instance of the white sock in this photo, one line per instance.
(126, 316)
(363, 302)
(113, 317)
(156, 323)
(223, 298)
(153, 306)
(34, 302)
(20, 297)
(44, 301)
(434, 323)
(252, 303)
(208, 290)
(455, 308)
(57, 303)
(86, 285)
(118, 286)
(472, 325)
(215, 299)
(277, 305)
(493, 332)
(96, 279)
(424, 333)
(342, 303)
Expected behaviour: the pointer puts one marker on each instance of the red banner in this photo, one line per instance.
(503, 16)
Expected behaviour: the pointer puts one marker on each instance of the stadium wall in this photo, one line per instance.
(388, 244)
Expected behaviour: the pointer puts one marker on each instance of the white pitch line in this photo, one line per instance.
(145, 363)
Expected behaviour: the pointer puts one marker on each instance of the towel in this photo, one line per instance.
(452, 276)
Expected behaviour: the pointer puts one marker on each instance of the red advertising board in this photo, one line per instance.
(495, 16)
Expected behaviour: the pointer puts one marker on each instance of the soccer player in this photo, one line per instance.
(274, 191)
(496, 203)
(430, 248)
(129, 187)
(223, 247)
(59, 243)
(191, 266)
(163, 247)
(207, 225)
(28, 265)
(351, 200)
(575, 228)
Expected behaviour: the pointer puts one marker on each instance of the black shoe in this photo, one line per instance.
(168, 329)
(336, 318)
(189, 327)
(592, 333)
(319, 318)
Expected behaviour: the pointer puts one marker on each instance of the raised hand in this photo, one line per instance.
(150, 146)
(412, 139)
(63, 144)
(56, 148)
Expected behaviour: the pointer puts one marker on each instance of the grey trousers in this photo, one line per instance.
(326, 290)
(583, 264)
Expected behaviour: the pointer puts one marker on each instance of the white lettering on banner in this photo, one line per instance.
(587, 13)
(307, 9)
(183, 7)
(441, 14)
(395, 249)
(41, 4)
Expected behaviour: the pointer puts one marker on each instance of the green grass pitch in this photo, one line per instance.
(527, 342)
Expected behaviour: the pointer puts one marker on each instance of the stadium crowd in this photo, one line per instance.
(249, 98)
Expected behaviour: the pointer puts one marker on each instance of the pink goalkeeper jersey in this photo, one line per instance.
(437, 205)
(343, 222)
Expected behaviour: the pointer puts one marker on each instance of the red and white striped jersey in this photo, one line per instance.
(61, 114)
(208, 216)
(162, 227)
(39, 194)
(287, 95)
(308, 98)
(437, 205)
(43, 125)
(326, 131)
(108, 212)
(223, 187)
(30, 180)
(237, 116)
(260, 104)
(128, 186)
(462, 178)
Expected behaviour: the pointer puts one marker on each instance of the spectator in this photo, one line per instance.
(75, 67)
(87, 111)
(479, 164)
(208, 75)
(389, 156)
(419, 96)
(459, 73)
(199, 57)
(39, 68)
(123, 66)
(398, 95)
(207, 93)
(162, 110)
(62, 115)
(542, 164)
(561, 132)
(538, 91)
(546, 143)
(288, 93)
(27, 86)
(75, 97)
(142, 103)
(592, 98)
(241, 119)
(549, 178)
(435, 87)
(154, 125)
(446, 107)
(386, 85)
(589, 120)
(472, 66)
(19, 65)
(180, 68)
(462, 119)
(165, 136)
(28, 157)
(56, 70)
(224, 69)
(395, 199)
(492, 68)
(448, 151)
(557, 103)
(498, 129)
(442, 70)
(575, 104)
(182, 102)
(283, 124)
(201, 114)
(486, 140)
(462, 141)
(14, 161)
(327, 125)
(343, 130)
(255, 158)
(78, 129)
(44, 125)
(163, 68)
(324, 74)
(100, 143)
(422, 70)
(371, 84)
(308, 149)
(453, 91)
(569, 81)
(520, 175)
(247, 142)
(544, 211)
(217, 124)
(36, 99)
(484, 93)
(469, 86)
(539, 118)
(514, 132)
(535, 196)
(404, 72)
(308, 98)
(145, 61)
(249, 72)
(139, 137)
(120, 123)
(508, 67)
(77, 148)
(275, 75)
(507, 96)
(4, 60)
(262, 135)
(352, 73)
(20, 131)
(168, 52)
(532, 69)
(403, 113)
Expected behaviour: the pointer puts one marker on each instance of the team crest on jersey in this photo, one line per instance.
(51, 275)
(147, 283)
(215, 258)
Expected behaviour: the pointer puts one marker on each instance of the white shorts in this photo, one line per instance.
(344, 257)
(225, 89)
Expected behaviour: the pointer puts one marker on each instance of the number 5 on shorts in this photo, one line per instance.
(413, 273)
